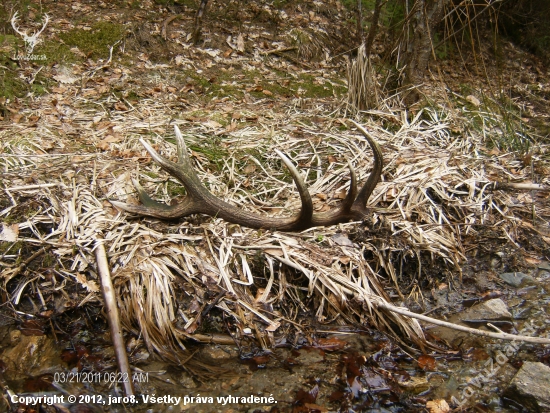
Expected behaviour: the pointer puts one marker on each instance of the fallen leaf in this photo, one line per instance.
(65, 78)
(426, 362)
(344, 259)
(112, 138)
(343, 240)
(240, 43)
(473, 100)
(213, 124)
(121, 106)
(9, 232)
(438, 406)
(276, 252)
(248, 169)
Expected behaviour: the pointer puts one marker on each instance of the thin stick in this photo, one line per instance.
(167, 22)
(511, 185)
(112, 315)
(28, 261)
(502, 336)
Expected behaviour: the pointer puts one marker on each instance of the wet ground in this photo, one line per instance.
(348, 369)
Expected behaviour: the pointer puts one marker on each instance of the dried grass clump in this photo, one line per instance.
(434, 191)
(364, 89)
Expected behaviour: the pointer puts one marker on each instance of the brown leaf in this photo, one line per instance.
(341, 194)
(231, 127)
(32, 328)
(112, 138)
(9, 232)
(344, 259)
(438, 406)
(248, 169)
(330, 344)
(426, 362)
(121, 106)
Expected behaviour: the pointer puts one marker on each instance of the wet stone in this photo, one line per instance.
(218, 354)
(494, 309)
(516, 279)
(531, 387)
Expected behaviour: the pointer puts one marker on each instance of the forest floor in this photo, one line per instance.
(303, 336)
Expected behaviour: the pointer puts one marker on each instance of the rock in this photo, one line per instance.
(516, 279)
(218, 354)
(543, 275)
(30, 355)
(494, 309)
(415, 384)
(531, 387)
(186, 381)
(544, 266)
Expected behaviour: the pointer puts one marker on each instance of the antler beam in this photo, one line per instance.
(200, 201)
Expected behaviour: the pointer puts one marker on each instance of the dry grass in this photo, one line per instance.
(432, 197)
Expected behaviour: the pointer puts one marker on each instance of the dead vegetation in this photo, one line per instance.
(64, 153)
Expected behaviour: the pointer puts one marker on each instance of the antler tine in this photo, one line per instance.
(360, 203)
(306, 212)
(200, 200)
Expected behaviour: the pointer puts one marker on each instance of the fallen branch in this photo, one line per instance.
(15, 272)
(505, 186)
(280, 50)
(112, 315)
(167, 22)
(502, 336)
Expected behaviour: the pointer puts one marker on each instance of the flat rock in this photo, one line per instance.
(516, 279)
(494, 309)
(531, 387)
(545, 265)
(29, 355)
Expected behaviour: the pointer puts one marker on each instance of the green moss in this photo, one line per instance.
(213, 151)
(10, 84)
(175, 189)
(187, 3)
(498, 119)
(57, 53)
(95, 42)
(10, 247)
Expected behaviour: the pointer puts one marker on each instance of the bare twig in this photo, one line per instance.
(475, 331)
(167, 22)
(112, 315)
(506, 186)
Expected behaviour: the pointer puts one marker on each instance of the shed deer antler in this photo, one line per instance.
(200, 200)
